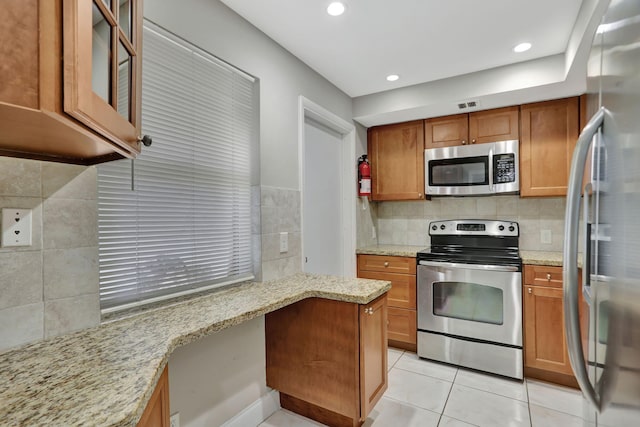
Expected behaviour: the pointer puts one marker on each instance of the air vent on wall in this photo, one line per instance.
(468, 104)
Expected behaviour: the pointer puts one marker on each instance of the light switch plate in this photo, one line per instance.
(16, 227)
(284, 242)
(545, 237)
(174, 420)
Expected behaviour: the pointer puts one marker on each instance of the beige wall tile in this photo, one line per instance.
(19, 177)
(528, 208)
(269, 219)
(21, 325)
(71, 314)
(552, 208)
(432, 208)
(20, 278)
(507, 206)
(70, 223)
(385, 209)
(487, 207)
(458, 207)
(70, 272)
(69, 181)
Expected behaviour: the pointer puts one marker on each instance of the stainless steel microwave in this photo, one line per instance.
(478, 169)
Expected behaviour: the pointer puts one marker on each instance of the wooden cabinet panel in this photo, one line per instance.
(545, 345)
(402, 325)
(396, 153)
(549, 131)
(500, 124)
(401, 272)
(403, 287)
(328, 358)
(543, 275)
(387, 264)
(373, 354)
(156, 414)
(446, 131)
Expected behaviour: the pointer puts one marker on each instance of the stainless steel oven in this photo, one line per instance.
(470, 296)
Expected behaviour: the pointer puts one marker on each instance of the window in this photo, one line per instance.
(187, 224)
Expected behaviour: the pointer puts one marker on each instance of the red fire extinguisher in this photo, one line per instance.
(364, 176)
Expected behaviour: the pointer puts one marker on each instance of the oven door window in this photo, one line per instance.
(468, 301)
(457, 172)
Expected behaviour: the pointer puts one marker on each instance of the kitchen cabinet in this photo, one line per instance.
(156, 414)
(549, 131)
(396, 153)
(402, 317)
(328, 359)
(73, 70)
(500, 124)
(545, 344)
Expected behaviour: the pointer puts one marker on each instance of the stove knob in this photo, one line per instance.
(442, 227)
(511, 228)
(434, 227)
(501, 227)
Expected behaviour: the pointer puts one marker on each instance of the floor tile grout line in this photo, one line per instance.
(449, 394)
(494, 393)
(421, 374)
(526, 388)
(410, 404)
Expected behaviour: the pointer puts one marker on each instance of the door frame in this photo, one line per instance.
(309, 109)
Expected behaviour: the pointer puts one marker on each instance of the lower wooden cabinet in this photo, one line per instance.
(545, 344)
(401, 272)
(156, 414)
(328, 359)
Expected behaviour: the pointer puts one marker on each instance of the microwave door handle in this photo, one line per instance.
(491, 169)
(570, 257)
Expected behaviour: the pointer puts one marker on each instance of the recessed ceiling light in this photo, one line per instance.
(393, 77)
(522, 47)
(335, 9)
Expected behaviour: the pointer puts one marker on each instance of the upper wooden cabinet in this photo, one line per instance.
(73, 70)
(446, 131)
(500, 124)
(396, 153)
(549, 131)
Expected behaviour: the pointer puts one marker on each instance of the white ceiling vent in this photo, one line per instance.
(468, 104)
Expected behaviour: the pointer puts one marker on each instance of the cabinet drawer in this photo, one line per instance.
(402, 325)
(403, 288)
(387, 264)
(543, 275)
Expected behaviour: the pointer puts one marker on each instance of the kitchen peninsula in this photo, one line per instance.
(106, 375)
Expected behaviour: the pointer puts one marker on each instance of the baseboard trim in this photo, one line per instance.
(257, 412)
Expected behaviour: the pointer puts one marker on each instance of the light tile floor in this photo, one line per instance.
(428, 394)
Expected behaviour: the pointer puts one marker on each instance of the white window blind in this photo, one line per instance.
(187, 224)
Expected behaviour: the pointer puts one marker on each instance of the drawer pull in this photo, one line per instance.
(549, 276)
(386, 263)
(530, 290)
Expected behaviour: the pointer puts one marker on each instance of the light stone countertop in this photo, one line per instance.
(528, 257)
(105, 375)
(391, 250)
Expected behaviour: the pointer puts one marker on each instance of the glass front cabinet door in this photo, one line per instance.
(102, 41)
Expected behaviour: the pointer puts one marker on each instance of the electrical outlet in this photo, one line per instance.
(373, 232)
(174, 420)
(545, 237)
(284, 242)
(16, 227)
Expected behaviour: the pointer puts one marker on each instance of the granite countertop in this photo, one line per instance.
(528, 257)
(106, 375)
(391, 250)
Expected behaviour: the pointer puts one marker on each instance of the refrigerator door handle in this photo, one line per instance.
(570, 271)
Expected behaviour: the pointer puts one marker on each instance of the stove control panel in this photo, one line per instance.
(470, 227)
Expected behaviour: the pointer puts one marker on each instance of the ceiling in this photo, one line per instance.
(420, 40)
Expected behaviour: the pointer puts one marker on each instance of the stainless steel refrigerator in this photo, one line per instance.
(603, 335)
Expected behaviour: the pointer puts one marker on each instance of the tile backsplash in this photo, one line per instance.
(50, 287)
(405, 223)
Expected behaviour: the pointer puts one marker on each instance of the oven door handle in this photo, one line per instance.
(509, 268)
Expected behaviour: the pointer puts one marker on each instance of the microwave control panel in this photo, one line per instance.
(504, 168)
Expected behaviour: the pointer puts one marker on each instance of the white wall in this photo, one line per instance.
(213, 379)
(217, 29)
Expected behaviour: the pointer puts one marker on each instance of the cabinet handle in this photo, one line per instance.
(370, 311)
(549, 276)
(146, 140)
(473, 141)
(464, 142)
(419, 195)
(530, 290)
(386, 263)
